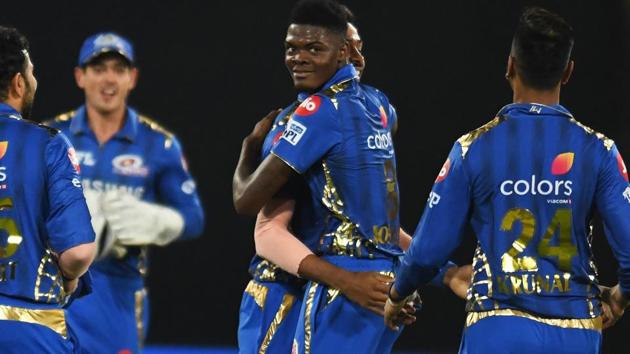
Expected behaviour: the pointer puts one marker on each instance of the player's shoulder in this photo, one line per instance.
(32, 128)
(474, 136)
(600, 139)
(62, 120)
(154, 129)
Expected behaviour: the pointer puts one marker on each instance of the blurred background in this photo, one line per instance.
(210, 70)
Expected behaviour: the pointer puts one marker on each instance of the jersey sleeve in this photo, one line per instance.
(177, 189)
(310, 134)
(441, 227)
(68, 223)
(613, 203)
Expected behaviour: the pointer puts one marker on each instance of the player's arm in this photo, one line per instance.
(68, 224)
(613, 203)
(312, 131)
(438, 233)
(178, 215)
(276, 243)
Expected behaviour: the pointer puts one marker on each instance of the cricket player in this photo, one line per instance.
(528, 182)
(47, 242)
(138, 189)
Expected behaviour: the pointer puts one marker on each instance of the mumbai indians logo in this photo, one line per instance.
(129, 165)
(109, 40)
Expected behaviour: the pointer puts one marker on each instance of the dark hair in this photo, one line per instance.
(542, 47)
(348, 14)
(12, 57)
(322, 13)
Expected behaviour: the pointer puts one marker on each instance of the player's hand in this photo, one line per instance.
(458, 280)
(400, 313)
(368, 290)
(69, 286)
(256, 138)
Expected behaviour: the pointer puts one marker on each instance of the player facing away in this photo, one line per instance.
(47, 240)
(528, 183)
(329, 140)
(138, 189)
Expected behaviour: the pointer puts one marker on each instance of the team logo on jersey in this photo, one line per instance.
(622, 166)
(72, 155)
(562, 164)
(444, 171)
(626, 194)
(383, 116)
(309, 106)
(129, 165)
(294, 132)
(4, 145)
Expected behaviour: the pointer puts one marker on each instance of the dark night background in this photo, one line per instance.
(210, 70)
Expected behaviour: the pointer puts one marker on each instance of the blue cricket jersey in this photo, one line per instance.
(340, 140)
(42, 211)
(528, 182)
(143, 159)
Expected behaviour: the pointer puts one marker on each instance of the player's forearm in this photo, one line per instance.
(194, 221)
(273, 239)
(75, 261)
(246, 166)
(318, 270)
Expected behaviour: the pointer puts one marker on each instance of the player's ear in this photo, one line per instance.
(79, 73)
(343, 55)
(567, 72)
(510, 70)
(17, 86)
(134, 72)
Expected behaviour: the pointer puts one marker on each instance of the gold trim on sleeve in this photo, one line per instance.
(287, 303)
(168, 141)
(55, 319)
(466, 140)
(608, 143)
(258, 292)
(576, 323)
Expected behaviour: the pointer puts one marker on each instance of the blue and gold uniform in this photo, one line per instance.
(146, 161)
(271, 303)
(339, 140)
(42, 214)
(528, 182)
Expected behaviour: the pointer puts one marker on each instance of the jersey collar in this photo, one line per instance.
(9, 112)
(79, 125)
(534, 109)
(347, 72)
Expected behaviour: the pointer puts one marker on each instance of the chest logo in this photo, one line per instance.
(129, 165)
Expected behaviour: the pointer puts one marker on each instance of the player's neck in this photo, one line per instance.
(105, 124)
(524, 94)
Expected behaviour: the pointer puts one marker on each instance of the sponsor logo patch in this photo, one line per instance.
(380, 141)
(72, 155)
(626, 194)
(309, 106)
(129, 165)
(294, 132)
(562, 164)
(85, 158)
(4, 145)
(189, 186)
(383, 116)
(444, 171)
(434, 199)
(622, 166)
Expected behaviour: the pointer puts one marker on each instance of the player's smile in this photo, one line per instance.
(313, 55)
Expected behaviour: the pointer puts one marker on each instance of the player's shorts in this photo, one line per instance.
(49, 335)
(113, 319)
(526, 334)
(268, 317)
(330, 323)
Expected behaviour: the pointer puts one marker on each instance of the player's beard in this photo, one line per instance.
(29, 99)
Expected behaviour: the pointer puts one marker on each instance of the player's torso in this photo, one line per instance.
(127, 162)
(355, 185)
(534, 176)
(27, 268)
